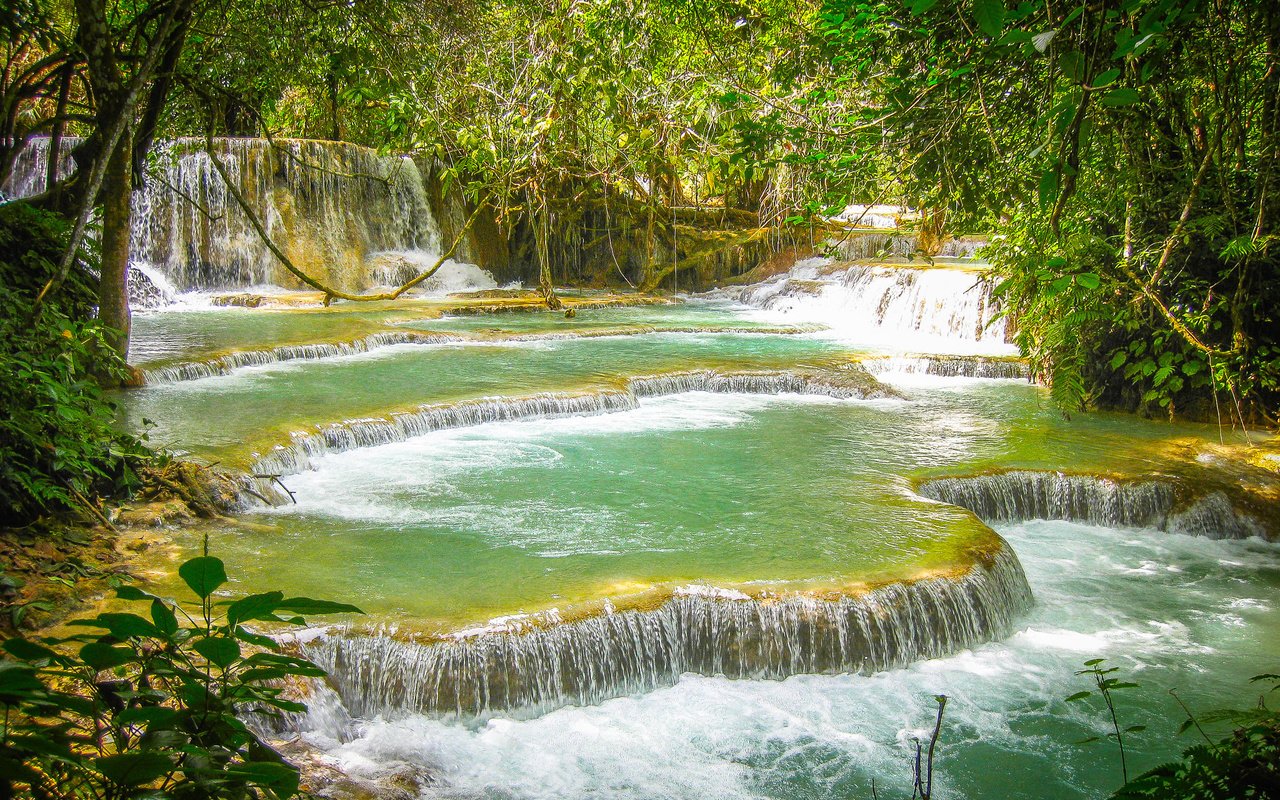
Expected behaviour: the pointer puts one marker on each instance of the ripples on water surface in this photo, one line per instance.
(462, 525)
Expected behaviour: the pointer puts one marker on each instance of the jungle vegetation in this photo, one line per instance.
(1123, 154)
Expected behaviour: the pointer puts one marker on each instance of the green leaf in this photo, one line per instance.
(1106, 79)
(162, 615)
(919, 7)
(1120, 97)
(1072, 63)
(134, 769)
(28, 650)
(1078, 696)
(146, 715)
(102, 656)
(219, 650)
(1048, 187)
(989, 14)
(1088, 280)
(283, 778)
(1118, 359)
(132, 593)
(203, 574)
(305, 605)
(255, 606)
(125, 626)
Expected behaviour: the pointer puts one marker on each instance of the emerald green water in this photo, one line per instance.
(458, 527)
(217, 417)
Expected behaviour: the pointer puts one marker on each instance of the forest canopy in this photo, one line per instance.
(1122, 154)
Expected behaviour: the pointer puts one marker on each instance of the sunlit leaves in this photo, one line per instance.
(989, 15)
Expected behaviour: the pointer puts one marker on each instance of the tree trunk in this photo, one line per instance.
(113, 288)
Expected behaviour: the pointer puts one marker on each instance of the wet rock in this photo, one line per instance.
(242, 300)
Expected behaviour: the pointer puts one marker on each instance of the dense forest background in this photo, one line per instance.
(1123, 155)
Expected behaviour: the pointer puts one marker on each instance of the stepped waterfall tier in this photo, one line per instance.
(339, 437)
(706, 632)
(750, 535)
(896, 304)
(1160, 503)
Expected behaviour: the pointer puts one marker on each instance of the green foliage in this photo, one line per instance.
(147, 706)
(1102, 135)
(1105, 685)
(1243, 764)
(57, 440)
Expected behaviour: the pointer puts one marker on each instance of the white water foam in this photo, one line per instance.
(898, 309)
(391, 268)
(374, 484)
(826, 736)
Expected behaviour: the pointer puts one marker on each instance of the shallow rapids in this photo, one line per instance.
(622, 586)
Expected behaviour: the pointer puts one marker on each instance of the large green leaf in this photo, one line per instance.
(989, 14)
(203, 574)
(100, 655)
(305, 605)
(134, 769)
(219, 650)
(255, 606)
(1123, 96)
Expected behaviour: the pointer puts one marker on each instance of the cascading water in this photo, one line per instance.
(30, 172)
(328, 205)
(934, 309)
(851, 382)
(226, 364)
(397, 268)
(1021, 495)
(703, 632)
(341, 212)
(867, 246)
(950, 366)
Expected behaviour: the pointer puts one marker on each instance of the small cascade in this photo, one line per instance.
(352, 434)
(398, 268)
(339, 437)
(853, 383)
(946, 308)
(878, 245)
(230, 362)
(951, 366)
(1154, 503)
(240, 359)
(30, 170)
(149, 288)
(709, 633)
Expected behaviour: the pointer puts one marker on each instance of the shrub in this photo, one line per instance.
(147, 707)
(58, 443)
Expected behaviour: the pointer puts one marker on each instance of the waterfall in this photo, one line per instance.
(226, 364)
(30, 168)
(936, 307)
(868, 246)
(397, 268)
(1159, 503)
(618, 653)
(851, 382)
(951, 366)
(331, 206)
